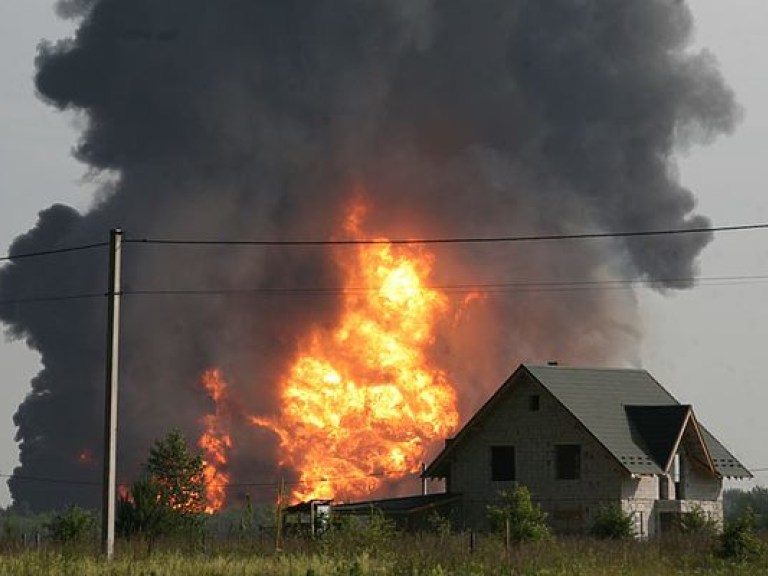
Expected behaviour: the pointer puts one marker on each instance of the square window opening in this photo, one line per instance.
(568, 462)
(502, 463)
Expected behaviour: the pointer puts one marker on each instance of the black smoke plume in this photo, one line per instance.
(258, 120)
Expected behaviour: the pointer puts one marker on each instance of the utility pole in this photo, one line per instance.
(279, 517)
(109, 485)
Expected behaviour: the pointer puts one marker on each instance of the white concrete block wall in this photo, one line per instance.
(571, 504)
(640, 487)
(712, 508)
(643, 515)
(699, 484)
(534, 435)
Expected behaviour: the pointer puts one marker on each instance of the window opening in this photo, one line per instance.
(568, 462)
(502, 463)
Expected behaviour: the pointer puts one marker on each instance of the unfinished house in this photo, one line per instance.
(581, 439)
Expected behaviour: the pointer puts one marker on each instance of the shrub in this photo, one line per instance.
(140, 513)
(372, 534)
(440, 525)
(170, 498)
(526, 521)
(736, 502)
(611, 522)
(72, 525)
(738, 540)
(697, 522)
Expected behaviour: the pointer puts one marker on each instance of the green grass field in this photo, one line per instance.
(396, 555)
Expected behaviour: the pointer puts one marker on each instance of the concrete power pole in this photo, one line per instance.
(109, 486)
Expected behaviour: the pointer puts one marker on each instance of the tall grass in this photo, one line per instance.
(397, 554)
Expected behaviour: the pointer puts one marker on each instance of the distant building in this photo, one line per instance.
(310, 518)
(410, 513)
(581, 439)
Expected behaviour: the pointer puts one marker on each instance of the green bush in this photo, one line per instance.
(372, 534)
(612, 523)
(697, 522)
(736, 502)
(170, 498)
(526, 521)
(141, 513)
(739, 540)
(72, 525)
(440, 525)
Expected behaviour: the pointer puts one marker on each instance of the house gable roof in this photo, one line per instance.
(660, 430)
(616, 407)
(657, 429)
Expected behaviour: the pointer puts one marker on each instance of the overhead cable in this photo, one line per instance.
(52, 252)
(40, 299)
(489, 288)
(455, 240)
(256, 484)
(365, 241)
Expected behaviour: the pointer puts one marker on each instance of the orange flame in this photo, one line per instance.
(215, 441)
(124, 492)
(362, 401)
(86, 456)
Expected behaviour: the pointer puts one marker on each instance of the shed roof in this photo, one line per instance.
(395, 506)
(626, 410)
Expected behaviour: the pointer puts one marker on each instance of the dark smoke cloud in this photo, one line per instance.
(245, 119)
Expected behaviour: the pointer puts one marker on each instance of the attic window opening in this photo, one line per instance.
(533, 403)
(568, 462)
(502, 463)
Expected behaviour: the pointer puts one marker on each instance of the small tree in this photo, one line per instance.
(171, 496)
(613, 523)
(72, 525)
(517, 513)
(738, 540)
(373, 534)
(178, 474)
(141, 512)
(440, 525)
(697, 522)
(736, 502)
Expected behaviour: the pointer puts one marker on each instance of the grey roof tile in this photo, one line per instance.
(599, 398)
(615, 406)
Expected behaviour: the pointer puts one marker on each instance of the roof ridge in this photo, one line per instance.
(597, 399)
(587, 368)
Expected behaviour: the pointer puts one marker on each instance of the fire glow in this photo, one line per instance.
(361, 401)
(215, 442)
(86, 456)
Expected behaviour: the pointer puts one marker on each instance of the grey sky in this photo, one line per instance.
(705, 345)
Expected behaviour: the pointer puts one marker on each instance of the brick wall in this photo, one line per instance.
(570, 503)
(699, 483)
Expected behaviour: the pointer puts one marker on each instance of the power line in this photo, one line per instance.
(455, 240)
(254, 484)
(232, 485)
(373, 475)
(40, 299)
(54, 251)
(456, 288)
(48, 480)
(487, 288)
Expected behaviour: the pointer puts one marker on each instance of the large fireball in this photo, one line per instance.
(362, 402)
